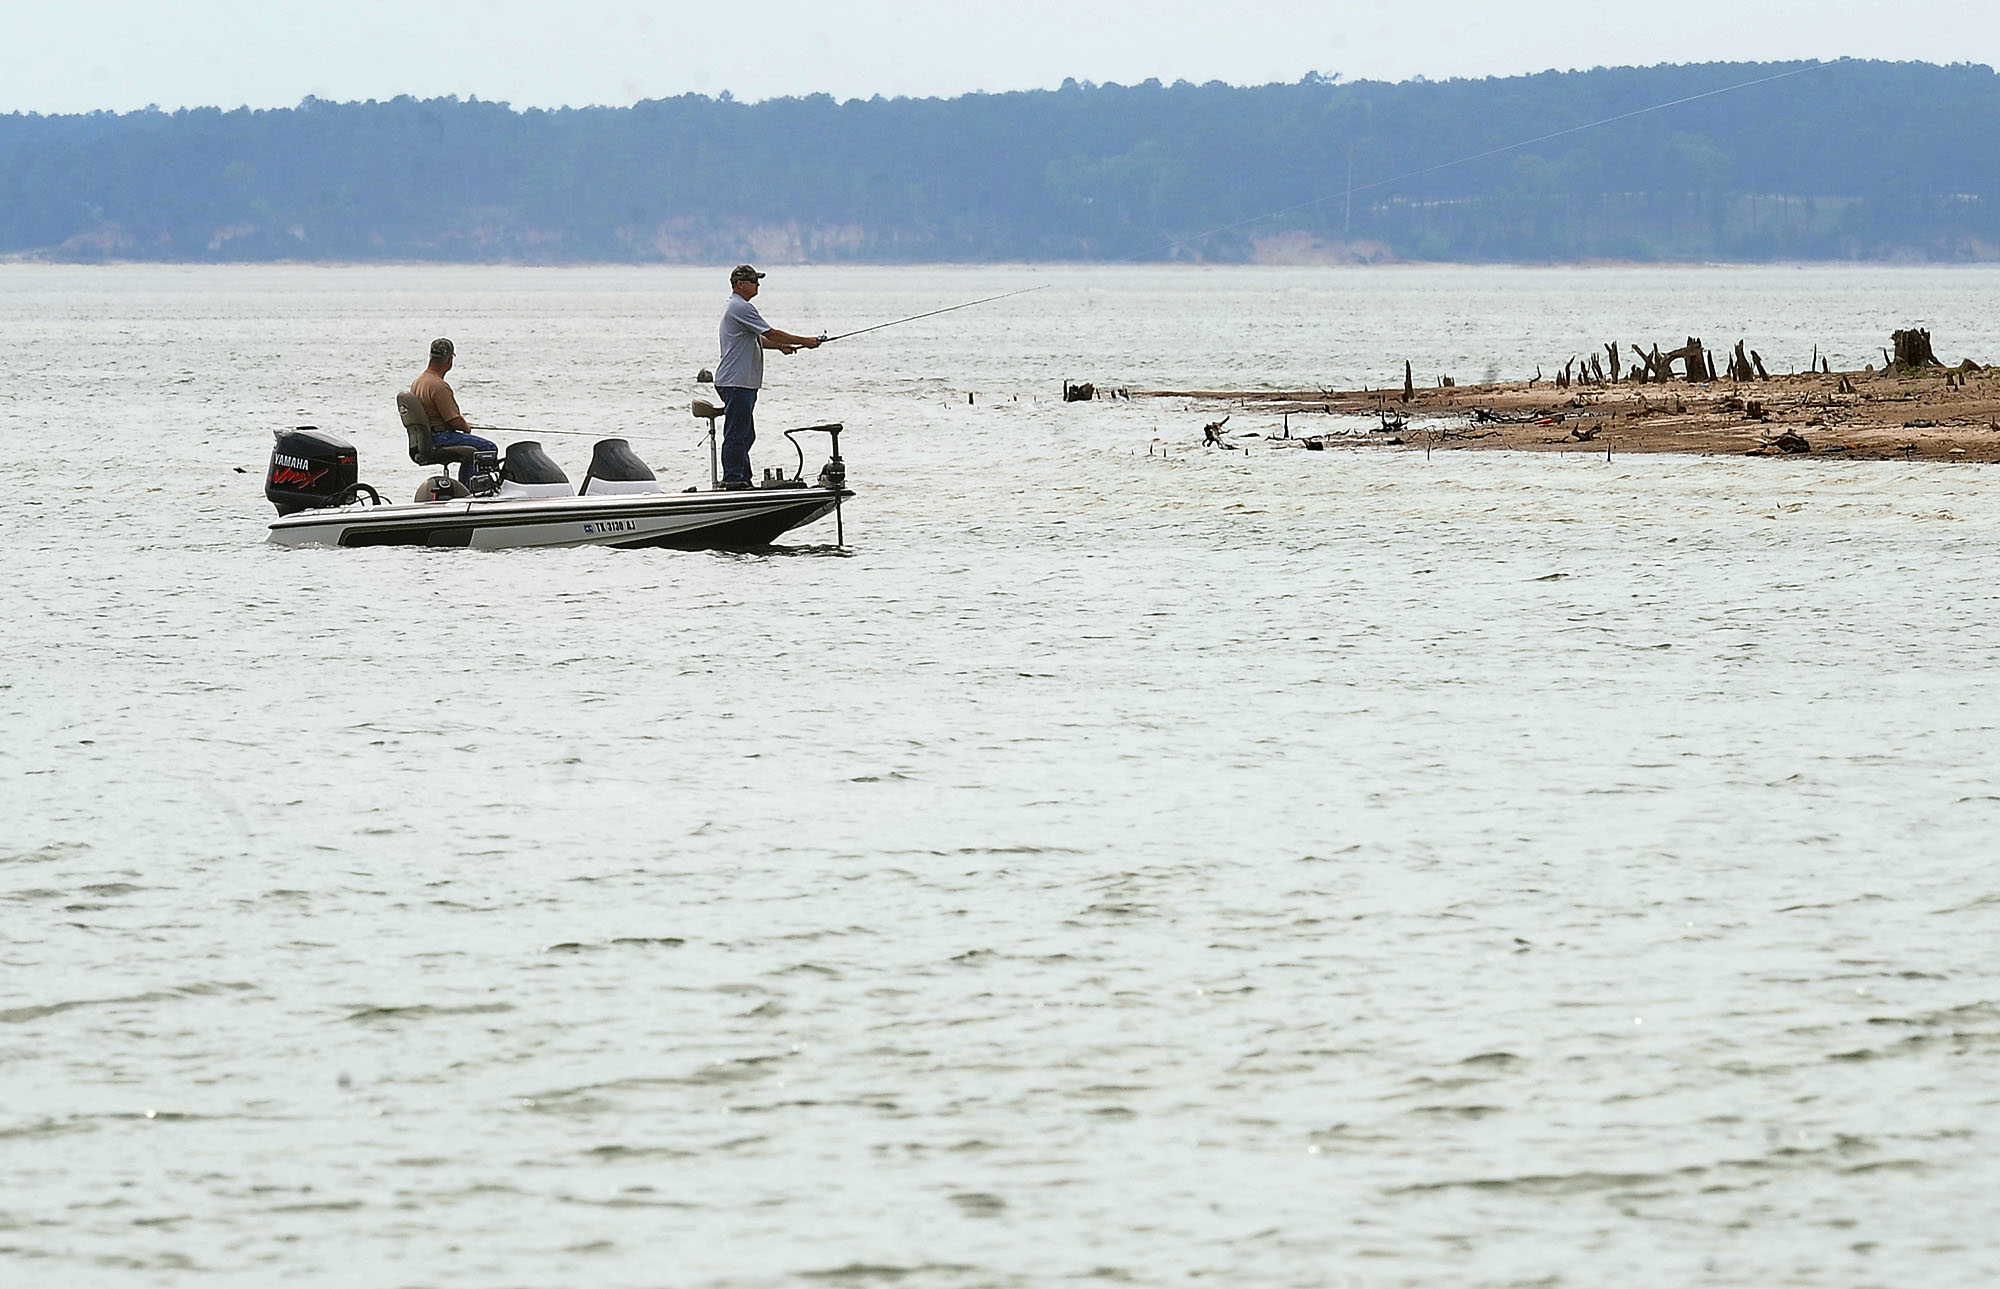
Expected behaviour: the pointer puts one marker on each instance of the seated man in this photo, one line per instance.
(448, 425)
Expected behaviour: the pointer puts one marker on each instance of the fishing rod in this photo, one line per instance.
(827, 340)
(1351, 189)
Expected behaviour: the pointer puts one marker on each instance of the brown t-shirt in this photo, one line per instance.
(436, 396)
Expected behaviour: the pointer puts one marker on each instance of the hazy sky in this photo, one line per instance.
(119, 54)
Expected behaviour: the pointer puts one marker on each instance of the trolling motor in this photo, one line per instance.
(832, 475)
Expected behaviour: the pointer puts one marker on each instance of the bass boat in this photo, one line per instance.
(524, 499)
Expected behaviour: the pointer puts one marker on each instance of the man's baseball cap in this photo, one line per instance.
(442, 348)
(744, 273)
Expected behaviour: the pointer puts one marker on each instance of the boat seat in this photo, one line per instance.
(423, 449)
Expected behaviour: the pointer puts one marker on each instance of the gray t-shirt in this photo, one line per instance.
(742, 364)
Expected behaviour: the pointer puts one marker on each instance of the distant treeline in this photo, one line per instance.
(1856, 160)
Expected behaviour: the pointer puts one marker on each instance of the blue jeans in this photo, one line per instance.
(739, 431)
(460, 439)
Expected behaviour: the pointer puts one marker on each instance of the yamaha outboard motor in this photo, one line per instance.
(311, 469)
(528, 471)
(614, 467)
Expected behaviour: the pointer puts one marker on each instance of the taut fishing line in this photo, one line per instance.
(529, 429)
(1494, 152)
(1027, 290)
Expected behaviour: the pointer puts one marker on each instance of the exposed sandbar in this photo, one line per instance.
(1935, 414)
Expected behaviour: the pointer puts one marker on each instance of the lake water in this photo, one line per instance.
(1277, 869)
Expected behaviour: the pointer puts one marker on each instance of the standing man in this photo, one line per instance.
(740, 374)
(448, 426)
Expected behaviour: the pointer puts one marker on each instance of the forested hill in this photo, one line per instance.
(1856, 160)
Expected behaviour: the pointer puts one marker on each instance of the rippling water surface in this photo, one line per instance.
(1281, 868)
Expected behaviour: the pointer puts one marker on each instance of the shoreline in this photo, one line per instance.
(41, 259)
(1936, 414)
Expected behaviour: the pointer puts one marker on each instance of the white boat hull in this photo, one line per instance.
(748, 518)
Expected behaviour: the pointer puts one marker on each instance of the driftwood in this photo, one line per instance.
(1409, 385)
(1211, 435)
(1611, 350)
(1080, 392)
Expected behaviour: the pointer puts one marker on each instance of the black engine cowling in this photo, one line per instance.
(310, 469)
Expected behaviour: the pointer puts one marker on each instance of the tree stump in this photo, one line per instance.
(1913, 349)
(1694, 360)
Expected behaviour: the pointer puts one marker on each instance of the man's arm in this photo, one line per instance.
(786, 342)
(448, 415)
